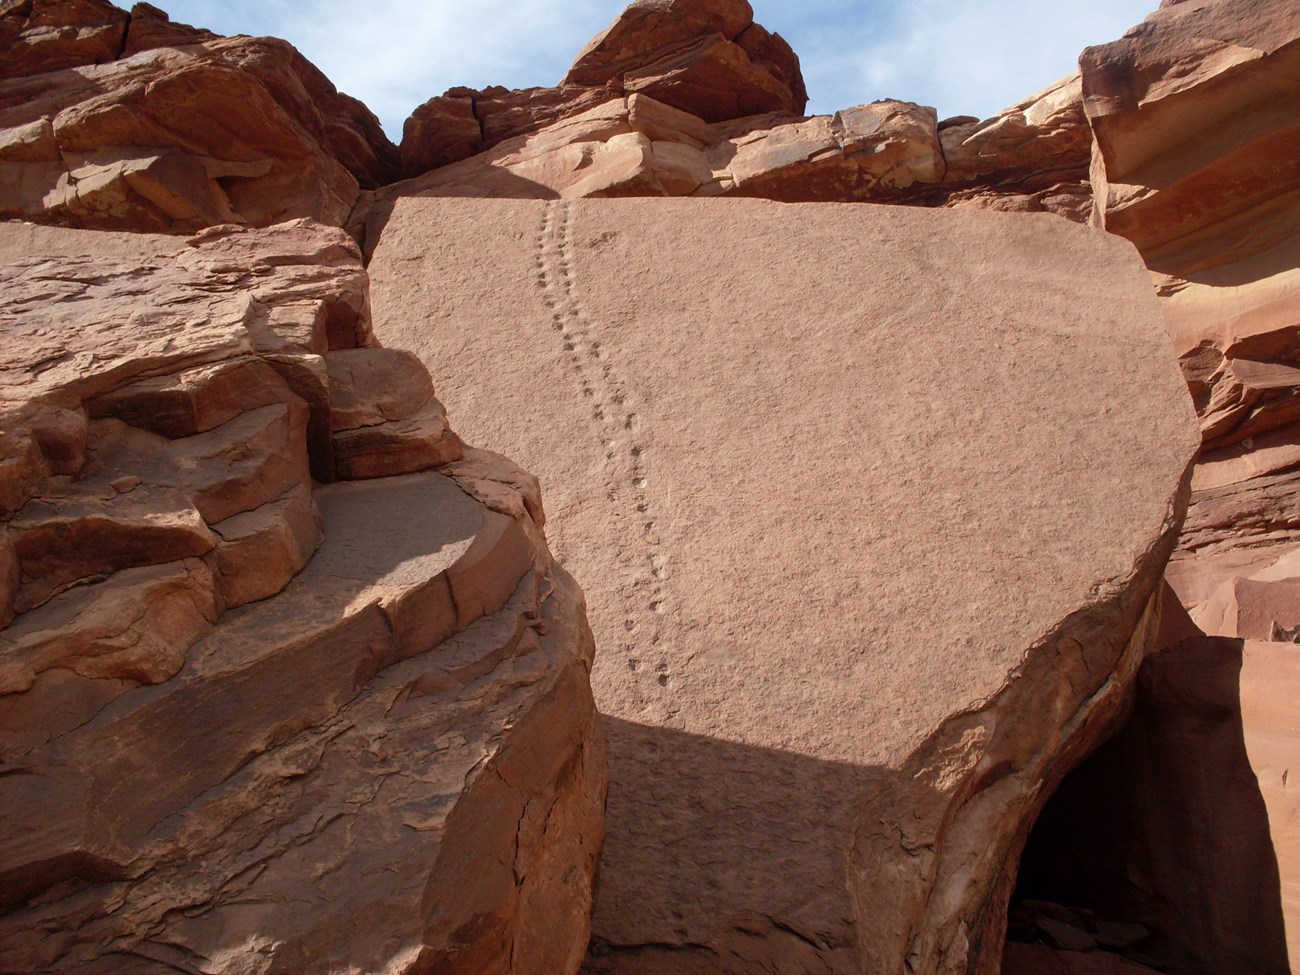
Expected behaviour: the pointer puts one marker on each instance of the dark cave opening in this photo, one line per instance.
(1155, 853)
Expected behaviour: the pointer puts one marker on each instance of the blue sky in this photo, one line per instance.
(965, 58)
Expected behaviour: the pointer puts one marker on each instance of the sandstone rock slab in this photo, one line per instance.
(845, 533)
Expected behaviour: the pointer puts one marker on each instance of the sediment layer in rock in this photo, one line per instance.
(1197, 161)
(870, 555)
(1197, 119)
(246, 719)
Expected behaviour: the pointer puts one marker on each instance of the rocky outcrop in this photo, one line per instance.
(701, 56)
(830, 727)
(1031, 158)
(705, 58)
(1196, 114)
(665, 104)
(290, 683)
(464, 122)
(1197, 121)
(249, 721)
(1197, 124)
(118, 121)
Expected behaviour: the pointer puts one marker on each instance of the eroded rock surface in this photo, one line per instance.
(672, 101)
(704, 57)
(1197, 118)
(249, 722)
(1197, 161)
(871, 559)
(126, 121)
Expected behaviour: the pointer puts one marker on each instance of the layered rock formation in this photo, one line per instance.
(127, 121)
(1197, 118)
(663, 104)
(1197, 160)
(852, 629)
(249, 722)
(1031, 158)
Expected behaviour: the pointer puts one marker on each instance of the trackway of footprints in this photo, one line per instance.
(625, 454)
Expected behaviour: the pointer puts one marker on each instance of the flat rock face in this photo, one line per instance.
(250, 723)
(128, 122)
(869, 547)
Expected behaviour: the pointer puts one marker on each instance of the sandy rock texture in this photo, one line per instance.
(872, 554)
(252, 721)
(125, 121)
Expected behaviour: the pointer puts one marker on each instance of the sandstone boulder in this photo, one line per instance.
(1031, 157)
(708, 59)
(243, 715)
(695, 55)
(172, 129)
(464, 122)
(872, 152)
(47, 35)
(871, 559)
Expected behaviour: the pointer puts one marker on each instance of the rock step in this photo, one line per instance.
(410, 561)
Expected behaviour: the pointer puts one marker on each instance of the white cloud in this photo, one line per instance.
(972, 58)
(395, 54)
(964, 58)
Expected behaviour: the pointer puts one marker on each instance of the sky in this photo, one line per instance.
(970, 57)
